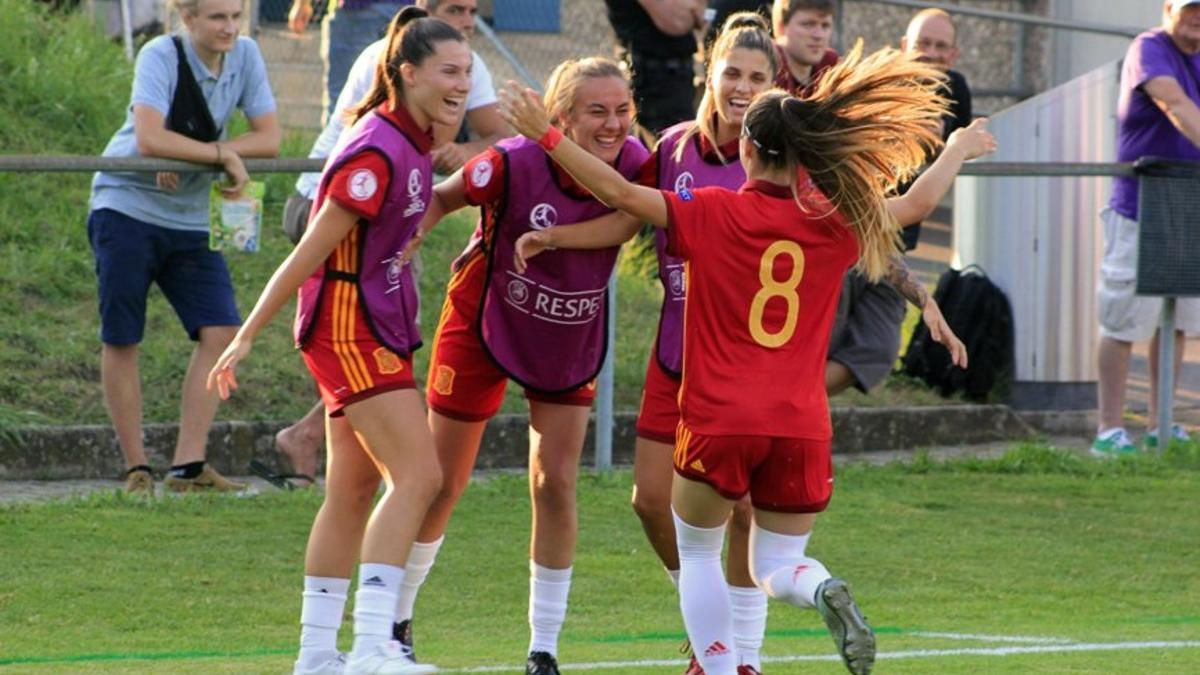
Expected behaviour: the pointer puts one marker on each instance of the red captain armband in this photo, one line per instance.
(550, 140)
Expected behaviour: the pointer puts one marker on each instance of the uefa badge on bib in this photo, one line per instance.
(235, 224)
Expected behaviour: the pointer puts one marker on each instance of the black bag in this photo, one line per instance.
(980, 315)
(189, 114)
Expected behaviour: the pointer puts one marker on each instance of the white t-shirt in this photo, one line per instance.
(358, 83)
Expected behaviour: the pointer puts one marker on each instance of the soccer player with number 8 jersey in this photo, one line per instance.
(763, 271)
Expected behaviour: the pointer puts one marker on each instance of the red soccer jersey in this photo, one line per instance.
(763, 278)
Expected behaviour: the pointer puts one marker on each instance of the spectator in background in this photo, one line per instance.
(345, 32)
(657, 44)
(803, 33)
(932, 34)
(301, 442)
(1157, 115)
(147, 228)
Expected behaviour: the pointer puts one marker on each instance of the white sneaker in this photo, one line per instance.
(389, 658)
(334, 665)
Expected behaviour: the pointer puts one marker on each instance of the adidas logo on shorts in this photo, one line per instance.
(697, 466)
(374, 581)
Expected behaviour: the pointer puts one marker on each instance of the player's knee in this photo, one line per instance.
(356, 496)
(553, 489)
(651, 505)
(424, 484)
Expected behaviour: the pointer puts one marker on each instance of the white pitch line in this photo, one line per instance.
(991, 638)
(907, 654)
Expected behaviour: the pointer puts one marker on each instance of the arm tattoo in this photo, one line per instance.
(900, 277)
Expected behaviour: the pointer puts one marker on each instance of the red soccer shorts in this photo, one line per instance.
(343, 356)
(464, 383)
(791, 475)
(659, 417)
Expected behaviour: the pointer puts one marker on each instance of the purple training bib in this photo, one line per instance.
(387, 289)
(547, 328)
(690, 171)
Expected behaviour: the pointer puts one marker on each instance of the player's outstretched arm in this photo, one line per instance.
(900, 277)
(328, 228)
(923, 197)
(523, 111)
(612, 229)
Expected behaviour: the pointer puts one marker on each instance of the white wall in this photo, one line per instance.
(1037, 237)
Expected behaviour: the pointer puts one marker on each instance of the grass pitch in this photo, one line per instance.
(1040, 561)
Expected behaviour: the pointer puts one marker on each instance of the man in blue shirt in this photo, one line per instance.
(147, 228)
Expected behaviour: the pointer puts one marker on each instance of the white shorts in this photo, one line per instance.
(1123, 314)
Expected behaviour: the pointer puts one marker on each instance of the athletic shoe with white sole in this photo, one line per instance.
(389, 658)
(854, 638)
(1113, 443)
(334, 665)
(1178, 433)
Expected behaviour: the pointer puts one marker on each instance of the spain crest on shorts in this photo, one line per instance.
(387, 362)
(443, 380)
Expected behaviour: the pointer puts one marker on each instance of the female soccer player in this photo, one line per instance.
(699, 154)
(544, 328)
(763, 268)
(356, 326)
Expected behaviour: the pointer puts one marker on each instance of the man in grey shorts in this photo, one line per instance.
(866, 332)
(1158, 114)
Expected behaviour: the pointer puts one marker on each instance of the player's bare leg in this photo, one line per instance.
(556, 435)
(653, 469)
(748, 601)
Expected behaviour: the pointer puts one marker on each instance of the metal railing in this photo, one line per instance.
(605, 413)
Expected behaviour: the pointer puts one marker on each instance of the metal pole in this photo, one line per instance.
(127, 28)
(1166, 372)
(604, 386)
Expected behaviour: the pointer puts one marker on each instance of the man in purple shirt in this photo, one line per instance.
(1157, 115)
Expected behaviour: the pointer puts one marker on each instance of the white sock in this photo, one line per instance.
(548, 591)
(704, 597)
(749, 623)
(321, 617)
(420, 561)
(780, 567)
(375, 604)
(674, 576)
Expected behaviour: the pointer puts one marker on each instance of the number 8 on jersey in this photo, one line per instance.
(772, 288)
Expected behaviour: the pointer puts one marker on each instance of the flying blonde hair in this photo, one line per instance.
(869, 125)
